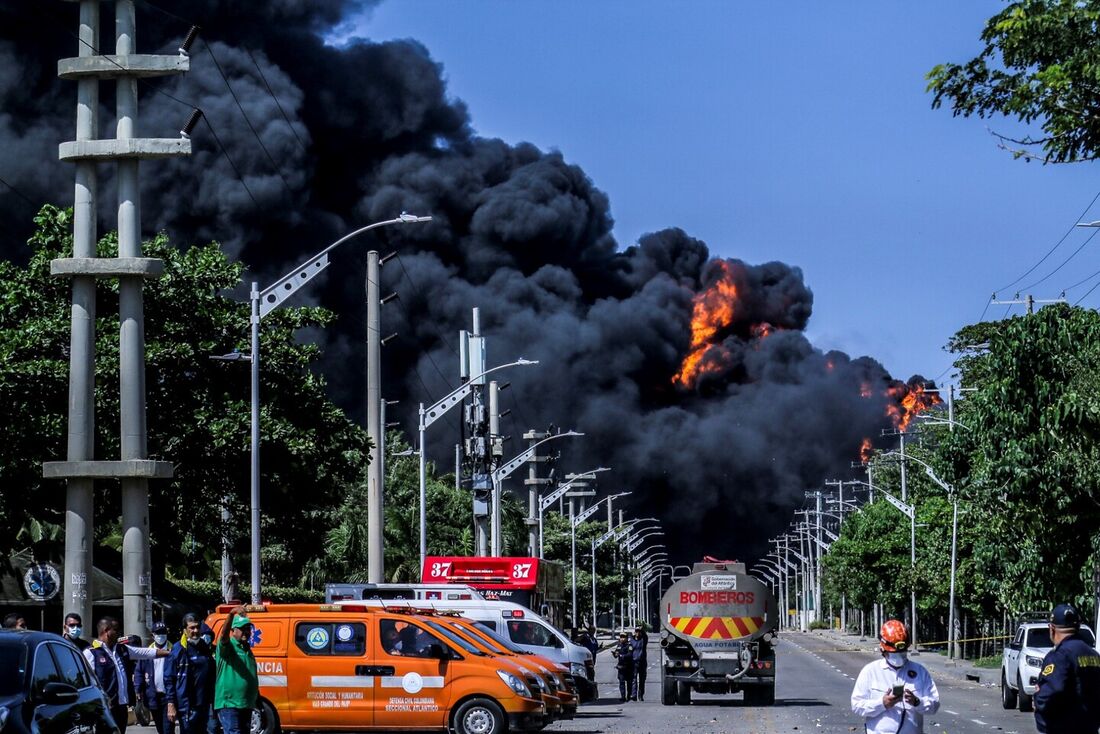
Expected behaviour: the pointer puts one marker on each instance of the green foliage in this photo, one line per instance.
(198, 410)
(1024, 461)
(1040, 64)
(1029, 465)
(210, 592)
(818, 624)
(612, 574)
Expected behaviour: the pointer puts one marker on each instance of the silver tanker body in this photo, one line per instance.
(718, 629)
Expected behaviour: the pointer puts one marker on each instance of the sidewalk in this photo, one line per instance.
(937, 663)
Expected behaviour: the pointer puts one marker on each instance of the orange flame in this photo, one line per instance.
(712, 311)
(909, 402)
(865, 451)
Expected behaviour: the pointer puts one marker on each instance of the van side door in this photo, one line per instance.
(329, 682)
(412, 691)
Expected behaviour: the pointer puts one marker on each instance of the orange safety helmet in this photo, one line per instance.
(894, 636)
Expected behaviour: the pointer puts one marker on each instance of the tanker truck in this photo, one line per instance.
(718, 632)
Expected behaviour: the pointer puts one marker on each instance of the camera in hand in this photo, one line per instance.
(898, 691)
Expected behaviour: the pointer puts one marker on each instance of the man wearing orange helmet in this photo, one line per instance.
(893, 694)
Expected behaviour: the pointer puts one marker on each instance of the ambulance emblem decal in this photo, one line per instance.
(317, 638)
(412, 682)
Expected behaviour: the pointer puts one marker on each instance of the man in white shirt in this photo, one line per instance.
(893, 694)
(110, 660)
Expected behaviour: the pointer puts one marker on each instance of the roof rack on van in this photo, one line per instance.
(403, 609)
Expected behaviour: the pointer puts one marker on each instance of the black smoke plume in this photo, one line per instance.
(361, 132)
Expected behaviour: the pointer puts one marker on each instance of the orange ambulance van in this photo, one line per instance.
(326, 667)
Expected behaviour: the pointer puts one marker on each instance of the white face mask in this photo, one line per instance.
(160, 640)
(896, 659)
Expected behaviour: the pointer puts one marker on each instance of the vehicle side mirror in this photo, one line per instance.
(56, 694)
(1014, 646)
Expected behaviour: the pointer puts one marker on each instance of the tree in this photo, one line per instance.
(1028, 466)
(198, 410)
(1040, 64)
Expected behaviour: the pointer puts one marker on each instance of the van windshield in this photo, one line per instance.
(502, 641)
(474, 631)
(468, 647)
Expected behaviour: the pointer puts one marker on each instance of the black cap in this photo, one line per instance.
(160, 628)
(1064, 615)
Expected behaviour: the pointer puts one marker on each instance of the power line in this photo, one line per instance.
(1064, 262)
(244, 114)
(231, 163)
(15, 190)
(420, 295)
(278, 104)
(1057, 244)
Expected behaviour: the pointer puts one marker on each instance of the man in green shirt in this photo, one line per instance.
(237, 686)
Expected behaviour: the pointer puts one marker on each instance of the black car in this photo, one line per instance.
(47, 686)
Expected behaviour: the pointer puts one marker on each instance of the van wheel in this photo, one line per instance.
(265, 720)
(479, 716)
(1008, 696)
(683, 694)
(1023, 701)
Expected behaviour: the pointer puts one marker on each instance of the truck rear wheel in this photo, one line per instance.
(668, 690)
(760, 695)
(1008, 696)
(1023, 701)
(683, 694)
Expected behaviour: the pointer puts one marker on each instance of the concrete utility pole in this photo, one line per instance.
(496, 453)
(133, 468)
(473, 361)
(375, 552)
(533, 482)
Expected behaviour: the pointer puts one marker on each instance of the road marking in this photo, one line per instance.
(979, 722)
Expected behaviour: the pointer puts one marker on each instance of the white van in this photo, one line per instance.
(447, 592)
(517, 623)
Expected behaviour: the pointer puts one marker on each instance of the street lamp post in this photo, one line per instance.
(562, 488)
(952, 637)
(262, 303)
(504, 470)
(602, 539)
(429, 416)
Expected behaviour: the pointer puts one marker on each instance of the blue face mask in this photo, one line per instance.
(160, 640)
(76, 632)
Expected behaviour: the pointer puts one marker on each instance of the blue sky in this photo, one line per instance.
(798, 132)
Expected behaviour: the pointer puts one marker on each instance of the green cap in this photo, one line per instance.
(239, 622)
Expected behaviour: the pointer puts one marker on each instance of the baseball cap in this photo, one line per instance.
(160, 628)
(239, 622)
(1064, 615)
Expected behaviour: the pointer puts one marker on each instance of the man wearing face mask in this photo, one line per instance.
(110, 659)
(189, 677)
(74, 631)
(894, 694)
(149, 685)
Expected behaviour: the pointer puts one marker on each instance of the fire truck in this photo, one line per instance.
(535, 583)
(718, 631)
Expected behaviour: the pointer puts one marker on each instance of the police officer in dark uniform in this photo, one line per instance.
(1068, 699)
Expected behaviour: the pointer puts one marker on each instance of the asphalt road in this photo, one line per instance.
(813, 690)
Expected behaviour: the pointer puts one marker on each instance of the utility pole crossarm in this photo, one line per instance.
(553, 497)
(504, 470)
(832, 536)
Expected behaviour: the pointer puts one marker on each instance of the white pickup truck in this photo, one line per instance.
(1022, 660)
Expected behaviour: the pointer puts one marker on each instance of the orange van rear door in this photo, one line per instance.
(411, 691)
(328, 676)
